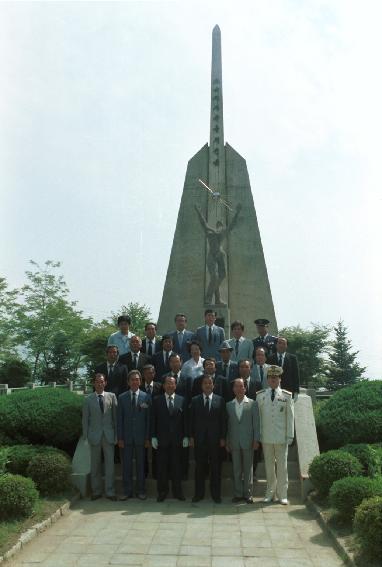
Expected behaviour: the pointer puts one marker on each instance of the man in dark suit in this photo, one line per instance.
(169, 436)
(161, 360)
(151, 343)
(290, 378)
(135, 359)
(208, 428)
(264, 340)
(181, 337)
(227, 367)
(210, 336)
(114, 371)
(133, 434)
(152, 389)
(220, 384)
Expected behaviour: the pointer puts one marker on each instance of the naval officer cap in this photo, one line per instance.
(274, 370)
(225, 346)
(261, 322)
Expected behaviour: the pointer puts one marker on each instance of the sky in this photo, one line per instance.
(102, 104)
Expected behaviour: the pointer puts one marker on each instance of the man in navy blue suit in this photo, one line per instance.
(161, 359)
(227, 367)
(210, 336)
(169, 436)
(133, 434)
(181, 337)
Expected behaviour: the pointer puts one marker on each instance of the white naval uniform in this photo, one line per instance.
(276, 432)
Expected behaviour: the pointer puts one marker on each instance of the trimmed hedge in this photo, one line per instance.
(49, 416)
(368, 456)
(18, 496)
(348, 493)
(19, 456)
(352, 415)
(328, 467)
(51, 472)
(368, 526)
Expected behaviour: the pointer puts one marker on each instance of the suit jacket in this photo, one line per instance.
(160, 366)
(241, 434)
(183, 350)
(268, 343)
(95, 423)
(218, 337)
(233, 370)
(117, 382)
(157, 389)
(183, 385)
(221, 387)
(245, 351)
(142, 360)
(277, 417)
(255, 374)
(251, 389)
(290, 378)
(208, 427)
(169, 429)
(145, 345)
(133, 424)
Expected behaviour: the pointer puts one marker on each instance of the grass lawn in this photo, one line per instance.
(11, 530)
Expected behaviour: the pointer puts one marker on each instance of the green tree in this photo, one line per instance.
(140, 315)
(343, 369)
(310, 346)
(94, 344)
(8, 306)
(15, 372)
(46, 311)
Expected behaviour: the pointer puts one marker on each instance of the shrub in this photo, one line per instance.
(368, 526)
(51, 472)
(331, 466)
(352, 415)
(15, 372)
(49, 416)
(18, 496)
(346, 494)
(3, 460)
(19, 456)
(367, 455)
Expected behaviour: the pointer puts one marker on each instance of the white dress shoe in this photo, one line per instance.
(268, 499)
(284, 501)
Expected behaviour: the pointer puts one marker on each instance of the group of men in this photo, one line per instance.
(192, 390)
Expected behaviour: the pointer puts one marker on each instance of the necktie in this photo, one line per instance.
(225, 366)
(237, 347)
(209, 335)
(176, 378)
(134, 401)
(167, 357)
(273, 395)
(110, 371)
(180, 339)
(135, 360)
(280, 360)
(150, 349)
(100, 401)
(207, 405)
(170, 406)
(148, 389)
(261, 374)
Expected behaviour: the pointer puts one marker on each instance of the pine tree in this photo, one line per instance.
(343, 369)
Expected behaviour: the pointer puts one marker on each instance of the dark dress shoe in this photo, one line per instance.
(125, 497)
(112, 498)
(95, 496)
(217, 500)
(196, 499)
(141, 496)
(180, 497)
(249, 500)
(161, 497)
(237, 499)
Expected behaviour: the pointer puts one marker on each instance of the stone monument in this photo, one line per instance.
(217, 258)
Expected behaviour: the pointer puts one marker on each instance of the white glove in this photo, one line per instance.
(290, 440)
(185, 443)
(154, 443)
(295, 397)
(86, 442)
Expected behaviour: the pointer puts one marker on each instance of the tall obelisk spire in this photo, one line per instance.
(216, 169)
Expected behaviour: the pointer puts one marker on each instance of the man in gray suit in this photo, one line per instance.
(260, 368)
(242, 434)
(133, 434)
(242, 348)
(210, 336)
(99, 428)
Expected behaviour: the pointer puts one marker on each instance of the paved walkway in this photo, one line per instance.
(177, 534)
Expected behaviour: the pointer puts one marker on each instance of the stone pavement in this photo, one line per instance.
(181, 534)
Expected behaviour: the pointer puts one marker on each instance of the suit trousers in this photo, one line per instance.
(96, 467)
(207, 453)
(169, 466)
(276, 455)
(242, 462)
(129, 452)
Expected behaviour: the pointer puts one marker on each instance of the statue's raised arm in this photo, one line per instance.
(235, 217)
(202, 219)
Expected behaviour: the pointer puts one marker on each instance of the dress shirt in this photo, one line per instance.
(239, 407)
(149, 387)
(121, 341)
(166, 355)
(192, 369)
(209, 400)
(282, 358)
(180, 338)
(168, 399)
